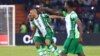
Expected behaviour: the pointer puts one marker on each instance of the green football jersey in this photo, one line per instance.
(71, 25)
(42, 24)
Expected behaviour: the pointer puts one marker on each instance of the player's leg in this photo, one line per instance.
(40, 46)
(80, 50)
(49, 42)
(66, 47)
(57, 50)
(75, 47)
(52, 48)
(70, 46)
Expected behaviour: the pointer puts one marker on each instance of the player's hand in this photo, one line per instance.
(31, 38)
(80, 40)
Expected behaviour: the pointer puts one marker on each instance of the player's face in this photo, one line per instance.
(32, 13)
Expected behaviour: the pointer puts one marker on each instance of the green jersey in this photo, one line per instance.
(71, 25)
(42, 24)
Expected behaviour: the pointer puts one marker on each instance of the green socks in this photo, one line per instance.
(46, 51)
(56, 51)
(42, 51)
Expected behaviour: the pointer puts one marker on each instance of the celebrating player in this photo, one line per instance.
(45, 31)
(74, 30)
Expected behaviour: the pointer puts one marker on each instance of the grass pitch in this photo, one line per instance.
(31, 51)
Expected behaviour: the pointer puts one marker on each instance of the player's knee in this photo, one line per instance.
(37, 44)
(47, 41)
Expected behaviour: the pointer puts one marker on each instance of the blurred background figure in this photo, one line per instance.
(23, 28)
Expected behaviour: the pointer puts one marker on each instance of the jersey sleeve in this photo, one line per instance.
(46, 16)
(74, 17)
(64, 13)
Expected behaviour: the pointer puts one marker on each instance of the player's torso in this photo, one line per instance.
(42, 25)
(69, 25)
(36, 33)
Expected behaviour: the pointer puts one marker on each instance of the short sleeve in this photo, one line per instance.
(64, 13)
(45, 15)
(74, 17)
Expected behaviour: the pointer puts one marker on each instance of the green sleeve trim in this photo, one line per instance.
(64, 13)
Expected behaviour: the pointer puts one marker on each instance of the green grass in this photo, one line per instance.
(31, 51)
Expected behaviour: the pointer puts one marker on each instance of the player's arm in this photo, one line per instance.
(79, 23)
(53, 11)
(80, 29)
(33, 29)
(56, 17)
(53, 16)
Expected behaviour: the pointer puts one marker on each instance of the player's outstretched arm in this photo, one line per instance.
(56, 17)
(53, 11)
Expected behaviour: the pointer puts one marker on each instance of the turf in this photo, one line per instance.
(31, 51)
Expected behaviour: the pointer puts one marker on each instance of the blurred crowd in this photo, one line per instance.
(86, 10)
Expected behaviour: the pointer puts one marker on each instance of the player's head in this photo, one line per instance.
(39, 8)
(33, 13)
(69, 5)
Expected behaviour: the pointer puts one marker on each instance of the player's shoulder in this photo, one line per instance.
(73, 14)
(44, 14)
